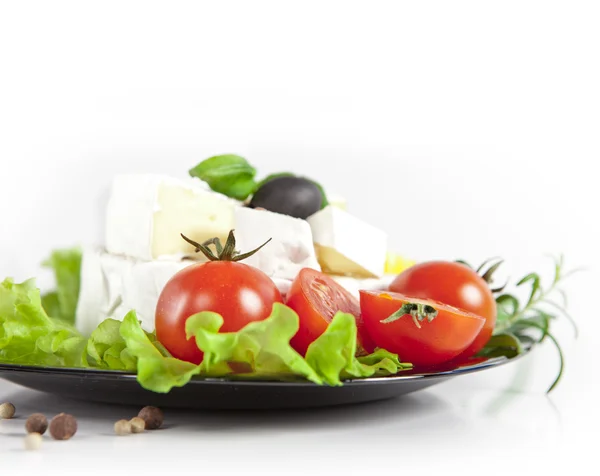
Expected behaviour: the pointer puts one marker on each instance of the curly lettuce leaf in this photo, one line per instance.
(62, 303)
(263, 346)
(333, 354)
(106, 348)
(259, 350)
(156, 371)
(28, 336)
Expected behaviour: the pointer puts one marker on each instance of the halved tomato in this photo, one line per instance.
(421, 331)
(316, 298)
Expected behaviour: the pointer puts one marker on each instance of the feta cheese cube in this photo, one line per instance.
(111, 286)
(290, 249)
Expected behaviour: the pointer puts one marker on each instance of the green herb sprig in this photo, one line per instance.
(520, 325)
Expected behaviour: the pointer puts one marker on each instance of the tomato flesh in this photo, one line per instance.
(316, 298)
(433, 343)
(456, 285)
(239, 293)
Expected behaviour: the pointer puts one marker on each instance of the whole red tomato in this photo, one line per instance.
(421, 331)
(239, 293)
(316, 298)
(456, 285)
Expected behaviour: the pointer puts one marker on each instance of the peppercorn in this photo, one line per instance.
(7, 411)
(152, 416)
(63, 426)
(123, 427)
(138, 425)
(36, 423)
(33, 441)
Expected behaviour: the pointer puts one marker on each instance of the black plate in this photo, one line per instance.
(213, 393)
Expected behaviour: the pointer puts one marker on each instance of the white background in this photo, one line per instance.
(464, 129)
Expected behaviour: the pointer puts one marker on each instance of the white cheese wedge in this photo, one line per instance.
(147, 213)
(346, 245)
(290, 249)
(111, 286)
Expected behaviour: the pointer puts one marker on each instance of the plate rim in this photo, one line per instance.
(493, 362)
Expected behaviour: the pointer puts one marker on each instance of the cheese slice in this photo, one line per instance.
(346, 245)
(290, 249)
(112, 285)
(147, 213)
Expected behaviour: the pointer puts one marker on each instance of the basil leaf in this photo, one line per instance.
(229, 174)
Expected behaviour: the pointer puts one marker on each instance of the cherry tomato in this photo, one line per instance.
(238, 292)
(423, 343)
(456, 285)
(316, 298)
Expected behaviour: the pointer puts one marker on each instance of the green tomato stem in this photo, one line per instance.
(418, 311)
(224, 253)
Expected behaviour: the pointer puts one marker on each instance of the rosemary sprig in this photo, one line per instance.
(519, 326)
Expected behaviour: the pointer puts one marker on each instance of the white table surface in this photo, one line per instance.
(473, 424)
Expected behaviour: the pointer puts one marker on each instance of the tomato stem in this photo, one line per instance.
(224, 253)
(418, 311)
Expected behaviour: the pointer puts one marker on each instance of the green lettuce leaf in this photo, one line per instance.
(29, 336)
(259, 350)
(107, 349)
(62, 302)
(333, 354)
(264, 346)
(156, 371)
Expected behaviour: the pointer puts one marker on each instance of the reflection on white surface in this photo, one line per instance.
(443, 422)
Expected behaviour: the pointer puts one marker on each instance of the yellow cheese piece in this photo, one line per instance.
(333, 262)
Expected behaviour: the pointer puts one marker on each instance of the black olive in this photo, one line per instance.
(293, 196)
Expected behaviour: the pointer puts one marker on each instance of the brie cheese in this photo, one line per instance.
(346, 245)
(147, 213)
(290, 249)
